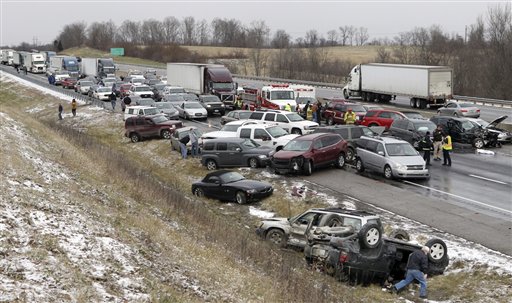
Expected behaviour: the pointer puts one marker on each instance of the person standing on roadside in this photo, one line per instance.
(305, 110)
(438, 139)
(73, 107)
(193, 142)
(314, 109)
(183, 146)
(288, 107)
(447, 149)
(113, 99)
(319, 113)
(417, 267)
(349, 117)
(61, 109)
(426, 146)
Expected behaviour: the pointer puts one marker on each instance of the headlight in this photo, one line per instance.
(401, 167)
(262, 157)
(208, 105)
(222, 105)
(251, 191)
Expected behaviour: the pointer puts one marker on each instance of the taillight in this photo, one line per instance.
(477, 110)
(464, 110)
(343, 257)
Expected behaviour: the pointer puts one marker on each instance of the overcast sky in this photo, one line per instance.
(43, 20)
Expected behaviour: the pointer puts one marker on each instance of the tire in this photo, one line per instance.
(363, 96)
(478, 143)
(345, 94)
(166, 134)
(456, 115)
(211, 164)
(276, 236)
(296, 131)
(413, 103)
(350, 154)
(370, 235)
(359, 165)
(308, 168)
(330, 121)
(400, 234)
(388, 173)
(372, 124)
(334, 221)
(423, 104)
(340, 161)
(134, 137)
(241, 197)
(253, 163)
(438, 251)
(198, 192)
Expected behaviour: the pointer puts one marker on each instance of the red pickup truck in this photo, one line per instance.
(68, 83)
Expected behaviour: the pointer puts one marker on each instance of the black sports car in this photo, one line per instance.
(231, 186)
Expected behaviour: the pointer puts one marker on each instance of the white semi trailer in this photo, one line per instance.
(34, 62)
(98, 67)
(426, 86)
(7, 56)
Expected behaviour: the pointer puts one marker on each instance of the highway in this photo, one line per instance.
(472, 199)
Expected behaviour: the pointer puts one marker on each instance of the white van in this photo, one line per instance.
(132, 111)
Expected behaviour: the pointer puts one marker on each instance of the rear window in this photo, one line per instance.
(245, 133)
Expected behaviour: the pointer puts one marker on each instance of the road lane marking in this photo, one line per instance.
(460, 197)
(487, 179)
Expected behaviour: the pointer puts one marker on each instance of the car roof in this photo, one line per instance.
(417, 120)
(314, 136)
(384, 139)
(385, 110)
(355, 212)
(227, 140)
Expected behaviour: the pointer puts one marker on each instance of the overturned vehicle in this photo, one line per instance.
(365, 256)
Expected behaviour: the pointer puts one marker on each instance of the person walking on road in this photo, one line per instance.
(416, 270)
(113, 99)
(319, 113)
(73, 107)
(349, 117)
(314, 109)
(61, 109)
(193, 142)
(447, 149)
(438, 139)
(183, 146)
(426, 145)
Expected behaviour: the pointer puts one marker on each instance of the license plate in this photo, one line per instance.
(216, 110)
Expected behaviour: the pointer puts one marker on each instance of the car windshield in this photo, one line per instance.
(231, 177)
(481, 122)
(230, 128)
(298, 145)
(104, 89)
(425, 127)
(137, 80)
(400, 149)
(357, 108)
(192, 105)
(294, 117)
(250, 143)
(174, 98)
(222, 85)
(189, 97)
(164, 105)
(86, 83)
(276, 131)
(413, 115)
(210, 99)
(160, 119)
(160, 86)
(281, 95)
(368, 132)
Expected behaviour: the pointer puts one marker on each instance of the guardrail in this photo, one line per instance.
(475, 100)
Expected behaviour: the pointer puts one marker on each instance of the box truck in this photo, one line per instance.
(203, 79)
(7, 56)
(426, 86)
(17, 59)
(47, 55)
(98, 67)
(66, 64)
(34, 62)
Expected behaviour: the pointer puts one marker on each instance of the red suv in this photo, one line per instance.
(140, 127)
(305, 153)
(124, 90)
(335, 111)
(68, 83)
(381, 117)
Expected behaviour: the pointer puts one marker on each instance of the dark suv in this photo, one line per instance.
(212, 104)
(139, 127)
(411, 130)
(305, 153)
(335, 111)
(462, 130)
(349, 133)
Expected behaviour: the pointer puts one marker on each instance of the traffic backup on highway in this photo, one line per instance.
(290, 133)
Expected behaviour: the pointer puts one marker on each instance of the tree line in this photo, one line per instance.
(482, 60)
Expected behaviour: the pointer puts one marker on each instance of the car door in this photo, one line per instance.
(371, 155)
(283, 122)
(330, 153)
(338, 114)
(261, 136)
(298, 227)
(270, 118)
(213, 187)
(318, 152)
(380, 157)
(223, 157)
(235, 154)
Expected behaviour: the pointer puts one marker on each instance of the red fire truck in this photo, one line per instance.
(274, 96)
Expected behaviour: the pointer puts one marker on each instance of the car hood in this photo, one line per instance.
(195, 110)
(495, 122)
(288, 154)
(306, 123)
(285, 138)
(408, 160)
(250, 184)
(261, 150)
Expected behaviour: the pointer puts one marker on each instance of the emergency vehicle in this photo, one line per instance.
(302, 91)
(274, 96)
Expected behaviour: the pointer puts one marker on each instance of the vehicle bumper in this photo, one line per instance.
(212, 111)
(284, 166)
(411, 174)
(259, 195)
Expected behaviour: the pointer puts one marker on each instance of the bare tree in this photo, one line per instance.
(101, 35)
(344, 35)
(129, 32)
(73, 34)
(257, 38)
(227, 32)
(281, 39)
(332, 37)
(383, 56)
(203, 32)
(312, 38)
(151, 32)
(362, 36)
(188, 30)
(171, 30)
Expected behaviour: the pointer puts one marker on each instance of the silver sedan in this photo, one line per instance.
(458, 109)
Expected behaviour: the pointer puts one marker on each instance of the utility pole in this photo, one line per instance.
(466, 34)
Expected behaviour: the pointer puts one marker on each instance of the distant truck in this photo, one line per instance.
(17, 59)
(98, 67)
(7, 56)
(202, 79)
(47, 55)
(34, 62)
(65, 64)
(426, 86)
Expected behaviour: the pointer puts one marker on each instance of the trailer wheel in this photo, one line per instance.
(423, 104)
(413, 102)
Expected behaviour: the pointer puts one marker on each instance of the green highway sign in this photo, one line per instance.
(117, 51)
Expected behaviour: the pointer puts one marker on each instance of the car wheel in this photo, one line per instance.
(296, 131)
(335, 221)
(166, 134)
(400, 234)
(456, 115)
(478, 143)
(413, 103)
(134, 137)
(308, 167)
(241, 198)
(253, 163)
(198, 192)
(276, 236)
(370, 235)
(340, 162)
(350, 154)
(388, 173)
(438, 251)
(330, 121)
(211, 164)
(359, 165)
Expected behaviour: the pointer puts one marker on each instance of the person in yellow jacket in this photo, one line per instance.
(288, 107)
(447, 149)
(73, 107)
(349, 117)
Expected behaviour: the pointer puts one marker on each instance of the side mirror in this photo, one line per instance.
(238, 149)
(380, 153)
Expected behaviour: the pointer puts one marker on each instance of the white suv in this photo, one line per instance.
(290, 121)
(393, 157)
(267, 135)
